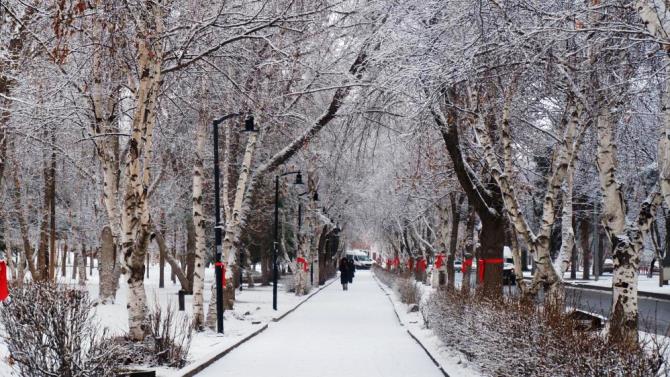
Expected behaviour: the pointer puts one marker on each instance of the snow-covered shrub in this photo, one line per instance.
(168, 342)
(172, 334)
(50, 331)
(508, 338)
(384, 276)
(408, 291)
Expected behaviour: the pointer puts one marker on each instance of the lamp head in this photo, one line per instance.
(249, 124)
(298, 179)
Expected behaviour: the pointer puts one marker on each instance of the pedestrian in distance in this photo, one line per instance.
(344, 273)
(352, 270)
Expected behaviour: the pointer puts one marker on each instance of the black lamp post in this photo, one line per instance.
(249, 125)
(275, 246)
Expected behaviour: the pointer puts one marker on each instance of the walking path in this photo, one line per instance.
(335, 333)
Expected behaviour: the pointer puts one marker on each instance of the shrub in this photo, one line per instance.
(50, 331)
(508, 338)
(168, 342)
(408, 291)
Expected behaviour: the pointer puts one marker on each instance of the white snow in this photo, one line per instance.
(336, 333)
(453, 362)
(252, 305)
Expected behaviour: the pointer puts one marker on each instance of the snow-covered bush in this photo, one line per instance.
(50, 331)
(507, 338)
(289, 284)
(384, 276)
(168, 342)
(408, 291)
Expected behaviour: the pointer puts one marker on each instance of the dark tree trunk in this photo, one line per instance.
(456, 203)
(63, 259)
(485, 197)
(190, 253)
(584, 238)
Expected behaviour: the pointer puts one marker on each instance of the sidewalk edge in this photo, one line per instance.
(195, 369)
(432, 357)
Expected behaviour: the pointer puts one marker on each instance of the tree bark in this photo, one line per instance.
(627, 240)
(486, 199)
(456, 204)
(199, 231)
(107, 268)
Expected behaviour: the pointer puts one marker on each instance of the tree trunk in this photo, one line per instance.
(456, 204)
(190, 254)
(75, 265)
(584, 237)
(627, 240)
(52, 209)
(469, 247)
(106, 266)
(82, 266)
(233, 229)
(199, 231)
(64, 258)
(487, 200)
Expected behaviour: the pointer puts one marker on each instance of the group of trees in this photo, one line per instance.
(106, 129)
(523, 123)
(461, 127)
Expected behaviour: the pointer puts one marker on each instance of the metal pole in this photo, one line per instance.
(276, 244)
(217, 232)
(596, 243)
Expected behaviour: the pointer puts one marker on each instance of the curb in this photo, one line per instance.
(200, 367)
(277, 319)
(650, 295)
(204, 365)
(416, 339)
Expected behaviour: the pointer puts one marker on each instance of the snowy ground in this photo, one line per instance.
(454, 363)
(336, 333)
(252, 305)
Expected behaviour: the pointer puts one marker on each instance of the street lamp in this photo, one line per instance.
(249, 126)
(275, 246)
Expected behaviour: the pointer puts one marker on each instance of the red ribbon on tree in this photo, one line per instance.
(4, 288)
(439, 260)
(467, 264)
(421, 265)
(481, 266)
(304, 263)
(396, 262)
(223, 272)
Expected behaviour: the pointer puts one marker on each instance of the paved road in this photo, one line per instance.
(335, 333)
(654, 314)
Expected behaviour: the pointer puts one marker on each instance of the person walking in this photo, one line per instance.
(352, 270)
(344, 273)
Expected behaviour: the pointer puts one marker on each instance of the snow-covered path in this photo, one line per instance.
(335, 333)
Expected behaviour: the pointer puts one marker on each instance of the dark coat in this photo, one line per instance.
(344, 271)
(352, 269)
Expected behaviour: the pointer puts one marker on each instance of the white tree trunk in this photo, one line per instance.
(539, 244)
(135, 219)
(199, 223)
(627, 240)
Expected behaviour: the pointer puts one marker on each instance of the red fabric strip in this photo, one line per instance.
(481, 266)
(223, 272)
(4, 287)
